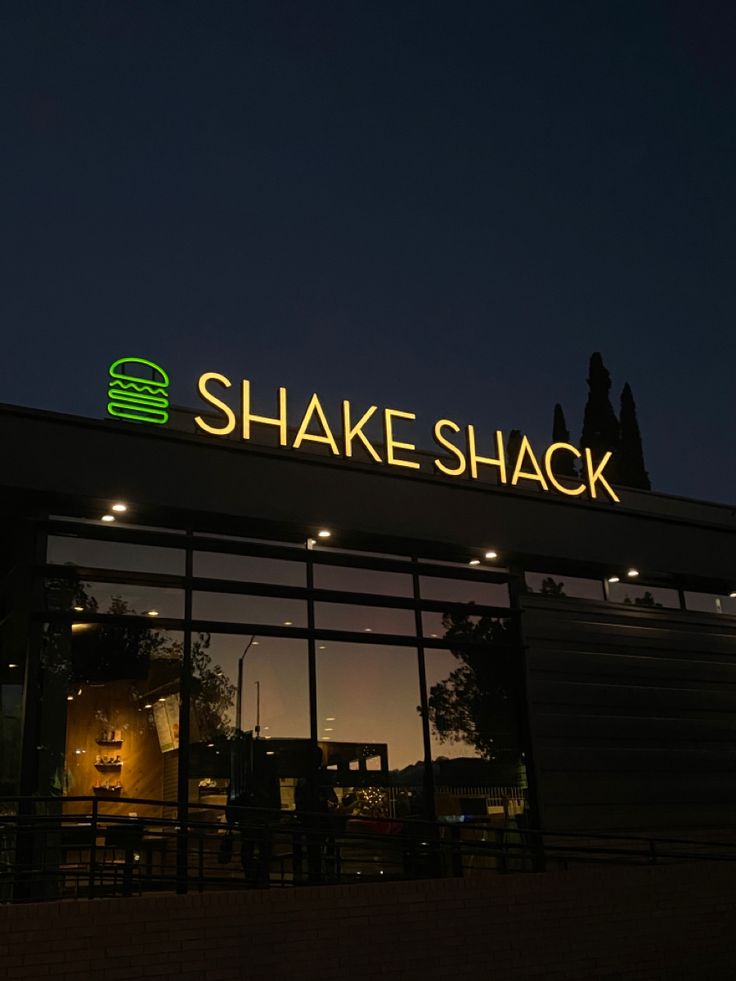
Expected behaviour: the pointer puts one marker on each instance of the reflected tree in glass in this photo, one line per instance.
(478, 702)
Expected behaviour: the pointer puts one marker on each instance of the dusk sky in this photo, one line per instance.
(441, 207)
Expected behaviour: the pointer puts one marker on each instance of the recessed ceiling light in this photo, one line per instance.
(614, 579)
(329, 729)
(162, 699)
(322, 647)
(270, 752)
(474, 562)
(108, 517)
(148, 705)
(732, 595)
(152, 613)
(78, 609)
(70, 698)
(324, 533)
(210, 745)
(120, 507)
(329, 718)
(368, 630)
(491, 555)
(288, 623)
(632, 573)
(12, 665)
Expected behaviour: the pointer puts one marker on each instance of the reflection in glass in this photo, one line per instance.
(463, 591)
(647, 596)
(64, 550)
(109, 712)
(249, 568)
(364, 619)
(116, 598)
(474, 711)
(555, 585)
(234, 608)
(363, 580)
(708, 603)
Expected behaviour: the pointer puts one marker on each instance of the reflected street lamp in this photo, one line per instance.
(239, 698)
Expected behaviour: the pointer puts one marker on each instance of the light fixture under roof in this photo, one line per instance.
(12, 665)
(120, 507)
(732, 596)
(491, 554)
(324, 533)
(107, 517)
(288, 623)
(148, 705)
(78, 609)
(614, 579)
(162, 699)
(632, 573)
(151, 613)
(474, 562)
(70, 698)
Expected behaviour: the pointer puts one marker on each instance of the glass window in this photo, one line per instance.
(364, 619)
(646, 596)
(367, 698)
(249, 568)
(116, 598)
(232, 608)
(110, 714)
(559, 585)
(65, 550)
(464, 591)
(474, 713)
(709, 603)
(363, 580)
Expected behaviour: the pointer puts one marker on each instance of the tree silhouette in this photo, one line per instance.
(631, 469)
(600, 425)
(564, 462)
(478, 703)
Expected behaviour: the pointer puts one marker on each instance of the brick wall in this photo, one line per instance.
(657, 922)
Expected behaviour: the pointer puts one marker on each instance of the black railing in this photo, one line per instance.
(86, 847)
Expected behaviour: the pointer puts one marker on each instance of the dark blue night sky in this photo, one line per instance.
(437, 206)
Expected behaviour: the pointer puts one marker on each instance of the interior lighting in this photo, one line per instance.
(614, 579)
(491, 555)
(632, 573)
(210, 745)
(474, 562)
(322, 647)
(12, 665)
(70, 698)
(288, 623)
(108, 517)
(162, 699)
(324, 533)
(270, 752)
(148, 705)
(255, 643)
(329, 729)
(152, 613)
(732, 595)
(329, 718)
(368, 630)
(120, 507)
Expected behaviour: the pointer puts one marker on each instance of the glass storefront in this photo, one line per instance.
(350, 686)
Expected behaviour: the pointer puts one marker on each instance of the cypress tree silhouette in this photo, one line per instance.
(513, 445)
(631, 469)
(600, 425)
(564, 462)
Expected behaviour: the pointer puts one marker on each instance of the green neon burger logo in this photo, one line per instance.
(139, 390)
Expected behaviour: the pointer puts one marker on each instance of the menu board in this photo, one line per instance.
(166, 717)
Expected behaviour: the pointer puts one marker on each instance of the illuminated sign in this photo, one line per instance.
(137, 396)
(464, 447)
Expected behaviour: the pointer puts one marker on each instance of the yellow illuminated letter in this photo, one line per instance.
(222, 406)
(525, 450)
(388, 417)
(499, 461)
(595, 474)
(351, 431)
(462, 466)
(551, 450)
(315, 409)
(279, 421)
